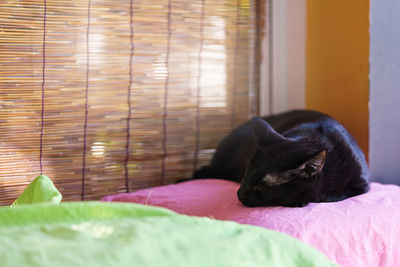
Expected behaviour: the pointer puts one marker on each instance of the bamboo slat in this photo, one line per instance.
(136, 95)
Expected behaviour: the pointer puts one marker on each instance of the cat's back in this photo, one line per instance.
(343, 153)
(285, 121)
(313, 124)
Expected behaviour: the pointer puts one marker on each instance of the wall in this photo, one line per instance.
(283, 57)
(385, 91)
(337, 49)
(296, 51)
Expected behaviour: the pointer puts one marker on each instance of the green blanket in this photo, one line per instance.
(116, 234)
(38, 232)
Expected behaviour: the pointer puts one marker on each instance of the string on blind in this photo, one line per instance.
(119, 95)
(86, 102)
(128, 121)
(198, 96)
(165, 105)
(235, 64)
(43, 89)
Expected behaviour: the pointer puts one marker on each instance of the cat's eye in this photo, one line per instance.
(274, 179)
(302, 167)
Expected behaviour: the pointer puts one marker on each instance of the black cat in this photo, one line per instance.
(290, 159)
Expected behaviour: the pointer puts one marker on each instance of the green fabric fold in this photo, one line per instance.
(96, 234)
(40, 190)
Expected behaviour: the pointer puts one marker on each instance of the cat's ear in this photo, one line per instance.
(263, 132)
(314, 165)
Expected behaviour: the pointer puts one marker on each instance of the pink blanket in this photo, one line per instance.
(360, 231)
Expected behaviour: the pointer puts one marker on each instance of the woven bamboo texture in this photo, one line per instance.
(112, 96)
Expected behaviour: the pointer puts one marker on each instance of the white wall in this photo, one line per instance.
(283, 64)
(296, 49)
(384, 142)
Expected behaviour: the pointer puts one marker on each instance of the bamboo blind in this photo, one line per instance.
(108, 96)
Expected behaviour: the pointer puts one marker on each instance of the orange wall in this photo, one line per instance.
(337, 49)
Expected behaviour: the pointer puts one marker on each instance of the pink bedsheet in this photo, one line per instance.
(360, 231)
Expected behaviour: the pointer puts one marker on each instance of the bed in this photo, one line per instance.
(38, 231)
(358, 232)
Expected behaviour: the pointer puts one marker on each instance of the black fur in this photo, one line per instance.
(290, 159)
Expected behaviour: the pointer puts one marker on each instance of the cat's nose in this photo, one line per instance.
(244, 189)
(242, 194)
(242, 198)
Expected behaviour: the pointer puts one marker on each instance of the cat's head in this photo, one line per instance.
(283, 170)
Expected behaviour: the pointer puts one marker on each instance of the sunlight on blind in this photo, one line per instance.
(214, 69)
(104, 93)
